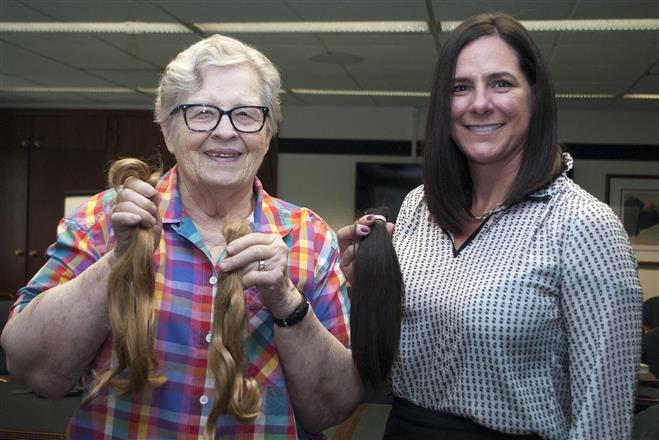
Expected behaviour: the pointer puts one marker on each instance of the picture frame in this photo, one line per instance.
(635, 200)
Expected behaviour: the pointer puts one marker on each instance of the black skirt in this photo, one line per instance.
(408, 421)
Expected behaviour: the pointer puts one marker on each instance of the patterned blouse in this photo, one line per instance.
(532, 327)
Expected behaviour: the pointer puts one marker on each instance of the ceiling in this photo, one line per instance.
(594, 62)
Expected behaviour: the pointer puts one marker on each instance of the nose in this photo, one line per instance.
(481, 102)
(224, 129)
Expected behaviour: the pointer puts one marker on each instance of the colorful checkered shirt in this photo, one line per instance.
(186, 281)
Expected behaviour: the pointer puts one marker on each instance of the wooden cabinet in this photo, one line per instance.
(43, 156)
(47, 154)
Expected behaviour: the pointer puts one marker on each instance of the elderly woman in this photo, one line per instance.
(218, 108)
(522, 303)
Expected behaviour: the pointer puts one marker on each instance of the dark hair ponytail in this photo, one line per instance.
(376, 309)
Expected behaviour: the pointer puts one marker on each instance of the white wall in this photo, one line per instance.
(326, 183)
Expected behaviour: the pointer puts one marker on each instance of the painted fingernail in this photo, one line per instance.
(369, 217)
(364, 229)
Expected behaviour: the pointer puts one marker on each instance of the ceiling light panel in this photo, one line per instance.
(126, 27)
(317, 27)
(642, 96)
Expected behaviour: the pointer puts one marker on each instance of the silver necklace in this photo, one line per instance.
(484, 215)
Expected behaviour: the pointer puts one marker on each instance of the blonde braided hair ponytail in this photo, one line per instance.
(235, 394)
(130, 301)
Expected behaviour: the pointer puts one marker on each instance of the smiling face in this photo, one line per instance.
(223, 158)
(491, 104)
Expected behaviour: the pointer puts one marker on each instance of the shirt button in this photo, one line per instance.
(203, 400)
(213, 280)
(208, 337)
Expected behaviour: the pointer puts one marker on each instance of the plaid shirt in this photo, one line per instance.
(186, 281)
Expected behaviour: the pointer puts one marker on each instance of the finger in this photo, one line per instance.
(246, 241)
(348, 256)
(249, 258)
(139, 186)
(145, 218)
(262, 279)
(124, 219)
(131, 196)
(347, 235)
(390, 228)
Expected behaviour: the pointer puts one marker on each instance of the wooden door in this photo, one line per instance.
(13, 209)
(54, 174)
(14, 157)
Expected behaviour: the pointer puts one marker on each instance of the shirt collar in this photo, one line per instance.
(555, 187)
(171, 210)
(269, 214)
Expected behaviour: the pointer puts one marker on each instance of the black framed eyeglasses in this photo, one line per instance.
(206, 117)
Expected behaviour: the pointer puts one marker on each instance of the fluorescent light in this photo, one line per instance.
(633, 24)
(649, 96)
(318, 27)
(393, 93)
(585, 95)
(67, 90)
(126, 27)
(302, 91)
(629, 24)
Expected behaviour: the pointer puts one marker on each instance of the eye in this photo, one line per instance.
(245, 113)
(201, 113)
(460, 89)
(501, 83)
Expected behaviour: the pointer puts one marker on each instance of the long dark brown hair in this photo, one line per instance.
(376, 304)
(447, 182)
(131, 300)
(235, 393)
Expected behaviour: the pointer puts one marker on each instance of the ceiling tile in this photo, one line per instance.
(647, 84)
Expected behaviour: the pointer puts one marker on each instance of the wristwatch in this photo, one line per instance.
(296, 315)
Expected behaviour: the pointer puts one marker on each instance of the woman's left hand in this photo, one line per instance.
(264, 261)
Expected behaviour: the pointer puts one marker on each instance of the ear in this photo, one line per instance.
(167, 129)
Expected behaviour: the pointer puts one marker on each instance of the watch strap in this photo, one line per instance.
(296, 315)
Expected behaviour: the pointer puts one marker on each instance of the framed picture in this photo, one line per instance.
(635, 199)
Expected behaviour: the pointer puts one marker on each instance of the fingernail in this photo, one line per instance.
(364, 229)
(369, 217)
(223, 267)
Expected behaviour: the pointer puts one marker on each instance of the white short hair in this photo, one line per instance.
(183, 75)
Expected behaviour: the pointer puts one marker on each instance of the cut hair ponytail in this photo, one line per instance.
(376, 304)
(131, 301)
(235, 394)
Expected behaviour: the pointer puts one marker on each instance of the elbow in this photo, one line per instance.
(35, 374)
(46, 387)
(322, 420)
(332, 410)
(42, 383)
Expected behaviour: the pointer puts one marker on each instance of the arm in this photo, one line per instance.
(52, 340)
(322, 381)
(601, 300)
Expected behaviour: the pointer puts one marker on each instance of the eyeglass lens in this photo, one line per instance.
(205, 118)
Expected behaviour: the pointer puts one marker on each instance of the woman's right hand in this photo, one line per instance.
(137, 205)
(349, 238)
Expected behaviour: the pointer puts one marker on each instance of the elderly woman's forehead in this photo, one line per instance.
(213, 77)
